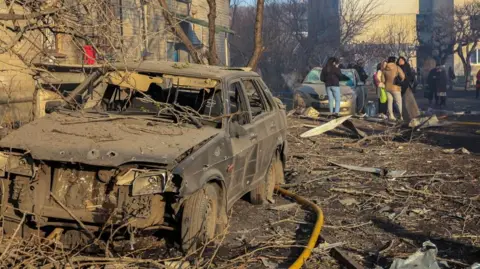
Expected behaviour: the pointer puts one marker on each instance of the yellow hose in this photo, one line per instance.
(316, 230)
(465, 123)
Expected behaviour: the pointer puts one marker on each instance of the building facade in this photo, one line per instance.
(136, 31)
(427, 10)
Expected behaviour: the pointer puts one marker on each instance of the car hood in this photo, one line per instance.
(105, 141)
(321, 90)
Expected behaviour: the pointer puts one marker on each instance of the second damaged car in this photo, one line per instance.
(155, 145)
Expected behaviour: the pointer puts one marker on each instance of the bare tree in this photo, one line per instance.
(451, 32)
(467, 34)
(175, 27)
(212, 46)
(356, 16)
(258, 44)
(397, 38)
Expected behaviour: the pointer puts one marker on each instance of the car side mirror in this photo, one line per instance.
(236, 130)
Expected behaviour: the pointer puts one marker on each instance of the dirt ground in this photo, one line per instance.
(373, 218)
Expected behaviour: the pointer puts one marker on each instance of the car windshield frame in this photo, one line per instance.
(313, 77)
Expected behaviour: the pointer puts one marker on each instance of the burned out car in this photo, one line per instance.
(147, 146)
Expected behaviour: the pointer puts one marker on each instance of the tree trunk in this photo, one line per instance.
(178, 31)
(468, 70)
(212, 46)
(258, 45)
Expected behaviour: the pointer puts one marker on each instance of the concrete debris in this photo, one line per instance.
(373, 170)
(177, 265)
(268, 264)
(325, 127)
(475, 266)
(284, 207)
(425, 258)
(426, 122)
(456, 151)
(349, 124)
(349, 202)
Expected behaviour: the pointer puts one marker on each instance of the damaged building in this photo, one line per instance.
(105, 31)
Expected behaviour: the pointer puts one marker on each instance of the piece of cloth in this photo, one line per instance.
(397, 97)
(391, 71)
(334, 97)
(331, 76)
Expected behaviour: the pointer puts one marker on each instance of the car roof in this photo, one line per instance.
(347, 69)
(187, 69)
(150, 66)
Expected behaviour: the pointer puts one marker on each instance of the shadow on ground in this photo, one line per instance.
(447, 248)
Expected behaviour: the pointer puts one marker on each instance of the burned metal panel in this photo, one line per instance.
(197, 168)
(105, 143)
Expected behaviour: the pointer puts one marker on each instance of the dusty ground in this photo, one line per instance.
(373, 218)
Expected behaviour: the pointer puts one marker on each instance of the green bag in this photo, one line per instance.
(383, 96)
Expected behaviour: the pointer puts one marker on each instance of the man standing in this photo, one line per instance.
(477, 85)
(452, 77)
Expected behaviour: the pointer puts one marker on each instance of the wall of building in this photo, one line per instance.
(142, 34)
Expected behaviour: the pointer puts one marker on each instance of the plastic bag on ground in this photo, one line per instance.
(425, 258)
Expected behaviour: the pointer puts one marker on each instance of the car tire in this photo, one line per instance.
(298, 101)
(199, 218)
(263, 193)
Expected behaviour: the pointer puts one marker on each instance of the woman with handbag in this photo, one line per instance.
(381, 93)
(393, 77)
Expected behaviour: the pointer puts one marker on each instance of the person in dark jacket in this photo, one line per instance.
(452, 77)
(431, 88)
(360, 67)
(409, 75)
(438, 79)
(331, 76)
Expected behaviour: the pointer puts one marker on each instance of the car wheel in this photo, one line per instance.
(263, 193)
(298, 101)
(199, 217)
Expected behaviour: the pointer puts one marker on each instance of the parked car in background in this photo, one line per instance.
(313, 93)
(156, 145)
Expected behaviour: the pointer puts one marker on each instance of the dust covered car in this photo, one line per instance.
(150, 146)
(313, 93)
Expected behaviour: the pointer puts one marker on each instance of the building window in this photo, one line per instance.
(172, 52)
(475, 57)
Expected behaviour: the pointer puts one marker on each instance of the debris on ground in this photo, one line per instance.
(425, 122)
(325, 127)
(425, 258)
(457, 151)
(378, 171)
(349, 202)
(311, 113)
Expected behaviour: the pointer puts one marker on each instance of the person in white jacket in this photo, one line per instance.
(378, 78)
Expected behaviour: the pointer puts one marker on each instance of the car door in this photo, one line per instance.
(264, 126)
(242, 169)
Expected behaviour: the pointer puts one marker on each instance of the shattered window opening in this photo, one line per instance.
(255, 98)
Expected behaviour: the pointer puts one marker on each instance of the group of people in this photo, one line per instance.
(392, 80)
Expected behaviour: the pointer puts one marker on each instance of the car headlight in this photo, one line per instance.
(145, 181)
